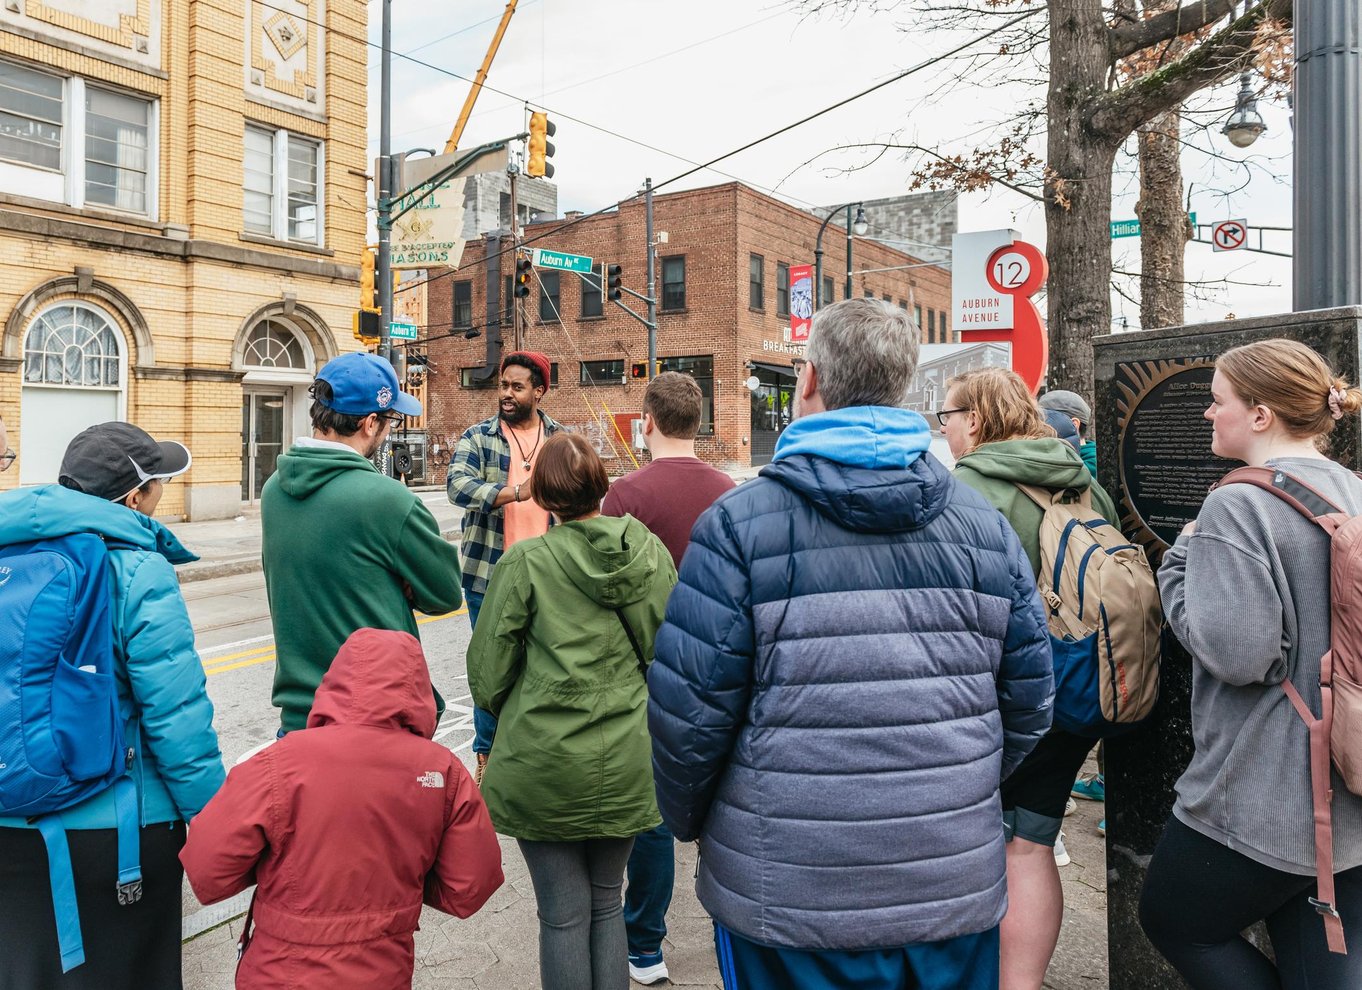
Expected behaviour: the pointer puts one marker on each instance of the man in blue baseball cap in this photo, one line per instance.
(346, 548)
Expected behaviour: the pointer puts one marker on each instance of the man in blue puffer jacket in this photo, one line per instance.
(853, 660)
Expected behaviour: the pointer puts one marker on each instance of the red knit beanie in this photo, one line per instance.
(540, 361)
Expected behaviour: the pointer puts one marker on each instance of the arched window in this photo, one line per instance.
(74, 345)
(273, 345)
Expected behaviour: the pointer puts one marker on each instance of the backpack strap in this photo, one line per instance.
(1319, 510)
(1046, 497)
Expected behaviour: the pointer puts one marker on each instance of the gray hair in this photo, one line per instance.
(865, 351)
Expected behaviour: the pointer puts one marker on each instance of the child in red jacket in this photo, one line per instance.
(347, 828)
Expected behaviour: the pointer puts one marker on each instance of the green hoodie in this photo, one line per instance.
(344, 548)
(551, 659)
(995, 470)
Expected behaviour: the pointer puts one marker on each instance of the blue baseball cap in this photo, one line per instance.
(364, 383)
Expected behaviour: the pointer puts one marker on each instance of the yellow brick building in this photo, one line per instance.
(182, 191)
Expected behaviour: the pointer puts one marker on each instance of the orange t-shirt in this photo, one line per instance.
(526, 519)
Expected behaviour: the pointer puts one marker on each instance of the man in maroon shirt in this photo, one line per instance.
(667, 496)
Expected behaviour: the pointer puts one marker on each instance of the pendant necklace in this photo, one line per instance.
(524, 458)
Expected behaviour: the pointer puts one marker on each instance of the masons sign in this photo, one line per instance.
(431, 232)
(560, 261)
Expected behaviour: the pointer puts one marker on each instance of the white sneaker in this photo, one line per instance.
(647, 971)
(1062, 857)
(1070, 806)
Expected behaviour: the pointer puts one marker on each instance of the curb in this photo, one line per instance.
(232, 566)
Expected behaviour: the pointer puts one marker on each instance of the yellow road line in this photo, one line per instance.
(266, 654)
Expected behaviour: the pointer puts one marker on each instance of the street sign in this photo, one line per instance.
(1131, 228)
(560, 261)
(402, 331)
(1229, 235)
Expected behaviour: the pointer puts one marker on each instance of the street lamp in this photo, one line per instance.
(857, 227)
(1246, 123)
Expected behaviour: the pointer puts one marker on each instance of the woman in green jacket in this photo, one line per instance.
(1000, 440)
(558, 656)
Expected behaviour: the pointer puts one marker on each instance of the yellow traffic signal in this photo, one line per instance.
(541, 149)
(366, 279)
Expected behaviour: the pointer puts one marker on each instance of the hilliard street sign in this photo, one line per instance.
(560, 261)
(1131, 228)
(402, 331)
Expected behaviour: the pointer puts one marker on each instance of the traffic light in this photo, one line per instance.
(366, 279)
(541, 149)
(365, 325)
(639, 369)
(522, 277)
(613, 280)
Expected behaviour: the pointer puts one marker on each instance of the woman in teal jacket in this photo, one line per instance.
(111, 480)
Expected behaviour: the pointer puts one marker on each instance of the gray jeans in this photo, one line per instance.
(581, 919)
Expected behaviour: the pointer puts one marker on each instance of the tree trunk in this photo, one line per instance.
(1163, 222)
(1077, 194)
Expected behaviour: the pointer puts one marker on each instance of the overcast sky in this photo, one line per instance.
(681, 83)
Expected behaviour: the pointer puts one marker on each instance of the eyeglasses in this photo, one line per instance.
(394, 418)
(941, 414)
(7, 458)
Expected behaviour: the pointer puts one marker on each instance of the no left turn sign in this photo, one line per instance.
(1229, 235)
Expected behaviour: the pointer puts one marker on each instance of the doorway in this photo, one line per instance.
(264, 415)
(772, 405)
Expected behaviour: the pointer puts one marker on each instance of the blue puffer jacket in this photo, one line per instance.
(160, 679)
(854, 658)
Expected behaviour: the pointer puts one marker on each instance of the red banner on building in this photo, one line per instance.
(801, 303)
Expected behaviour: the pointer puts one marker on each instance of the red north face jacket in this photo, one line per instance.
(347, 828)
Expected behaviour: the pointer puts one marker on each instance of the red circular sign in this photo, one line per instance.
(1229, 235)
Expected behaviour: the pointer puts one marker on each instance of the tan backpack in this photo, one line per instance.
(1102, 607)
(1336, 736)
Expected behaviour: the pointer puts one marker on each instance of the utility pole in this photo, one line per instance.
(517, 321)
(848, 295)
(383, 267)
(652, 278)
(1327, 248)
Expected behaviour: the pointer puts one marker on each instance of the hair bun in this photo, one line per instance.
(1349, 399)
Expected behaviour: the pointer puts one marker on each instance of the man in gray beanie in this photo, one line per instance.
(1074, 406)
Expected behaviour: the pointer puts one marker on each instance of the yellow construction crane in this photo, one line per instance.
(453, 143)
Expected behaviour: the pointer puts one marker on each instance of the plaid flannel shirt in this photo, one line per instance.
(477, 473)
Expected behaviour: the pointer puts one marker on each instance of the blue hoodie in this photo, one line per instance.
(853, 658)
(178, 765)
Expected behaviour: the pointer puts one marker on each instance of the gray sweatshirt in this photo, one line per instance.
(1248, 595)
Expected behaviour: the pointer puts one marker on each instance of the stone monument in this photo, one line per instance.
(1154, 457)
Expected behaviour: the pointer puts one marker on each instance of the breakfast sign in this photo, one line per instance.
(994, 274)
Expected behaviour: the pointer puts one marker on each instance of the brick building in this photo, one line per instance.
(182, 197)
(723, 316)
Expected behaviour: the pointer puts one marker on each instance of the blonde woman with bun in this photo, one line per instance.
(1246, 590)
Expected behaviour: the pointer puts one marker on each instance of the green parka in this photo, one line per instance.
(550, 658)
(995, 469)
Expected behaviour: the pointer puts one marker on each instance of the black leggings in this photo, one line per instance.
(1200, 895)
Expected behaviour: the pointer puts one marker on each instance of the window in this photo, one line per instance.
(602, 372)
(30, 117)
(550, 284)
(466, 379)
(829, 290)
(869, 294)
(941, 327)
(702, 370)
(463, 304)
(273, 345)
(756, 289)
(917, 317)
(674, 282)
(71, 344)
(281, 185)
(593, 303)
(116, 135)
(782, 289)
(68, 141)
(931, 326)
(903, 305)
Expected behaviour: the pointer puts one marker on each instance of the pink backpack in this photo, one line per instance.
(1337, 734)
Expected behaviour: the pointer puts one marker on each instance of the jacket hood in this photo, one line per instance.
(378, 678)
(859, 436)
(304, 470)
(1048, 463)
(47, 512)
(867, 500)
(610, 559)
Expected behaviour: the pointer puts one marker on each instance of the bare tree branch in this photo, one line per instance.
(1132, 37)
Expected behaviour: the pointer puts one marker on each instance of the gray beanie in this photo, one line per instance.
(1071, 404)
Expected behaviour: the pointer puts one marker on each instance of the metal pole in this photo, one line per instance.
(1327, 242)
(818, 273)
(849, 205)
(517, 322)
(383, 266)
(652, 278)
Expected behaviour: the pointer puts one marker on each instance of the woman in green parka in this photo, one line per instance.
(558, 656)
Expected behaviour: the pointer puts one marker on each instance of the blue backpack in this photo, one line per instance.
(61, 731)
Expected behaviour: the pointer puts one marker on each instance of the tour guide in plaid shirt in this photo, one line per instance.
(489, 479)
